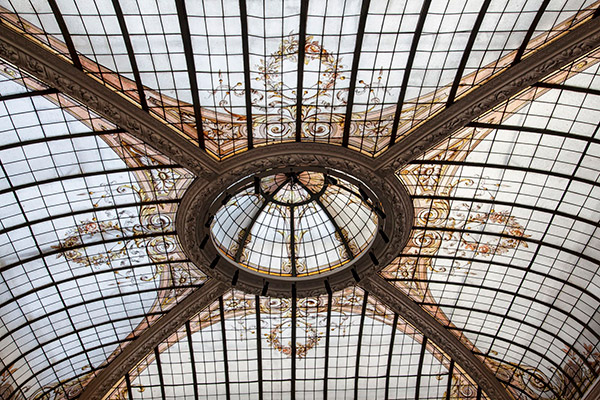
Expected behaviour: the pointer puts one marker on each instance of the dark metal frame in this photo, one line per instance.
(153, 336)
(571, 88)
(530, 32)
(188, 331)
(224, 344)
(301, 56)
(532, 130)
(161, 379)
(420, 368)
(131, 55)
(66, 78)
(388, 370)
(259, 348)
(465, 55)
(361, 328)
(247, 84)
(191, 67)
(64, 31)
(408, 69)
(33, 93)
(364, 11)
(556, 54)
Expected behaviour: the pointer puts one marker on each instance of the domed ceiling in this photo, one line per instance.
(299, 199)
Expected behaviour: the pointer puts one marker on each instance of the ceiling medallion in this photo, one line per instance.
(309, 223)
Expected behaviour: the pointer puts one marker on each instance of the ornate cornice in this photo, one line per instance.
(530, 70)
(198, 205)
(63, 76)
(152, 337)
(434, 331)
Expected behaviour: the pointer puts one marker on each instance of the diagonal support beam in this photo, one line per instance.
(556, 54)
(58, 74)
(152, 337)
(434, 331)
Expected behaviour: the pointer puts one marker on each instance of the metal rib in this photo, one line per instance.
(530, 32)
(355, 62)
(191, 68)
(388, 371)
(64, 31)
(247, 84)
(242, 242)
(467, 53)
(130, 53)
(301, 56)
(335, 225)
(408, 69)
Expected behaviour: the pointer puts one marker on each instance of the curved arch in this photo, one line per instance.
(528, 71)
(152, 337)
(508, 204)
(83, 245)
(504, 167)
(532, 299)
(89, 274)
(521, 321)
(430, 327)
(63, 76)
(502, 264)
(555, 365)
(113, 207)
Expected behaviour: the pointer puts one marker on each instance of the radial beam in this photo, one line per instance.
(64, 31)
(430, 327)
(530, 31)
(408, 69)
(59, 74)
(354, 73)
(300, 77)
(131, 55)
(558, 53)
(152, 337)
(186, 38)
(247, 82)
(467, 53)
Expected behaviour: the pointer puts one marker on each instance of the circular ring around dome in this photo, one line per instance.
(252, 200)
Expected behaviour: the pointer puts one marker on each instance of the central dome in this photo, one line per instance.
(295, 223)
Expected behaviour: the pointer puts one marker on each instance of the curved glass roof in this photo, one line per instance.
(345, 343)
(504, 248)
(89, 253)
(295, 224)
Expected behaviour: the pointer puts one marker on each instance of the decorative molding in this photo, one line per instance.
(593, 393)
(434, 331)
(558, 53)
(60, 75)
(198, 204)
(139, 348)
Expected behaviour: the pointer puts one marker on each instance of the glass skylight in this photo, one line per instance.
(295, 224)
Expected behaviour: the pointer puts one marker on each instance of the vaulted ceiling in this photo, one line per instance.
(468, 130)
